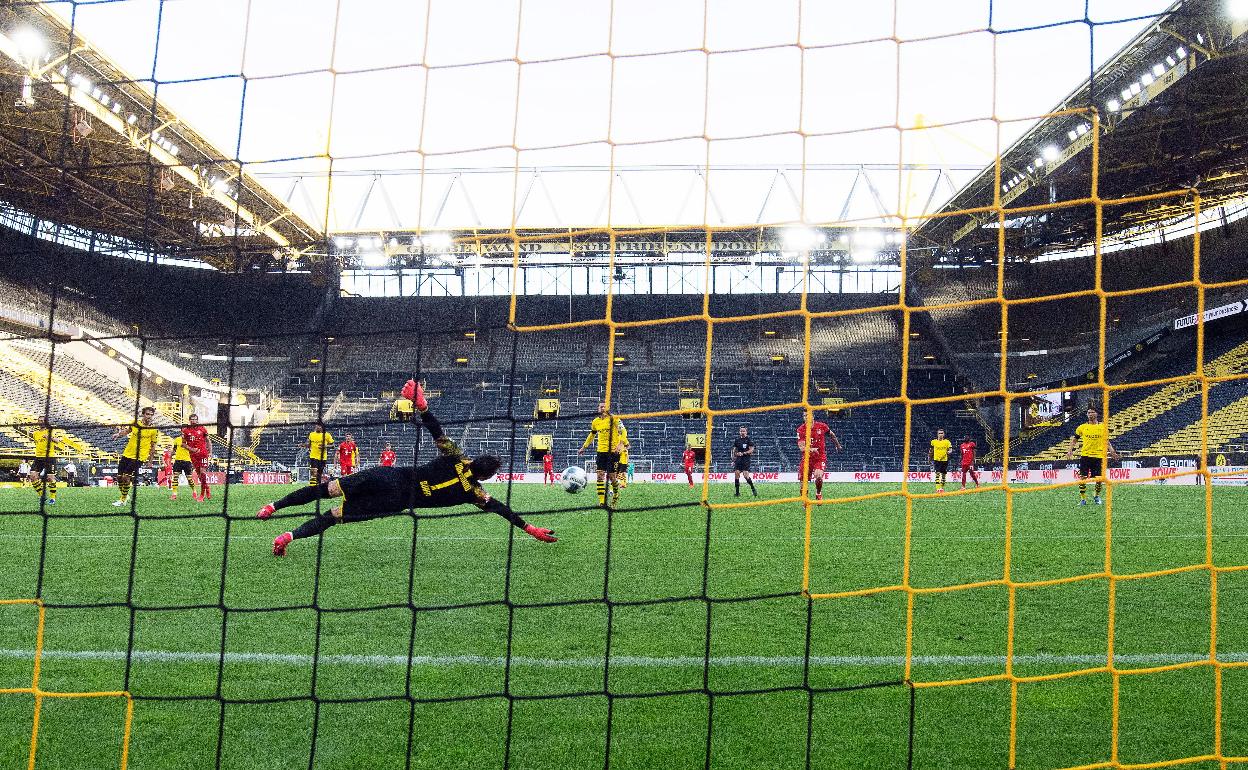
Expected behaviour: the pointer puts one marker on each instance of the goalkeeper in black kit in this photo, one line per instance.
(452, 479)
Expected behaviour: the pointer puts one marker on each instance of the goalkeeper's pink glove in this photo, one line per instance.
(545, 535)
(413, 392)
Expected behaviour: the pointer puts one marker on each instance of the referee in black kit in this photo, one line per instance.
(742, 456)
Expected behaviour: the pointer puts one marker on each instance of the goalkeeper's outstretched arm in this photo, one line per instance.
(487, 503)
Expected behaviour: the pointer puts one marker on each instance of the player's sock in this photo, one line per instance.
(303, 496)
(819, 487)
(1098, 489)
(737, 485)
(1083, 491)
(37, 485)
(123, 485)
(620, 484)
(751, 483)
(50, 487)
(602, 491)
(314, 526)
(174, 482)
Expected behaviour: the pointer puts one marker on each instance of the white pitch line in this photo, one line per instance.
(626, 661)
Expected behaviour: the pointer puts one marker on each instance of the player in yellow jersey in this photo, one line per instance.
(318, 449)
(604, 431)
(1095, 437)
(43, 469)
(938, 453)
(621, 468)
(141, 438)
(181, 464)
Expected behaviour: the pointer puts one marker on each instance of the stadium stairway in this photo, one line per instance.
(88, 404)
(1155, 405)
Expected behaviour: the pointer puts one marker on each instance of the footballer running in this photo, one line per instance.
(814, 452)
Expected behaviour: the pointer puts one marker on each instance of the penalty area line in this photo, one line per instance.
(625, 661)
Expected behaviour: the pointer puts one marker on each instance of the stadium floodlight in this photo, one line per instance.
(1135, 88)
(343, 243)
(374, 259)
(436, 241)
(863, 256)
(1159, 70)
(1200, 38)
(1146, 79)
(868, 240)
(30, 44)
(132, 119)
(1181, 52)
(802, 238)
(1038, 163)
(1050, 152)
(1072, 135)
(1082, 128)
(1170, 61)
(1112, 105)
(1126, 94)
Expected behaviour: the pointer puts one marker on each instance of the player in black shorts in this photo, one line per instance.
(742, 454)
(452, 479)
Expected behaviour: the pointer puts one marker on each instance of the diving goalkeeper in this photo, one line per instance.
(451, 479)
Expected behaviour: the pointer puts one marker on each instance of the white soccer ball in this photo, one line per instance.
(573, 479)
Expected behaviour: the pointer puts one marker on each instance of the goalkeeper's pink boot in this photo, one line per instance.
(265, 512)
(280, 542)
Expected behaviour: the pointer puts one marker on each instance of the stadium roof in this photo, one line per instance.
(1169, 111)
(334, 155)
(85, 145)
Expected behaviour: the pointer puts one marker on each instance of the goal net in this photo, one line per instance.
(720, 220)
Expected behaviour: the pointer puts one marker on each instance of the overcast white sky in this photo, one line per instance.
(375, 84)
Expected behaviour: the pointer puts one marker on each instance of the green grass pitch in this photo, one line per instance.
(459, 637)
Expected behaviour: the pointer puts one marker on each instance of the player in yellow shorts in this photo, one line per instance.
(938, 453)
(1095, 437)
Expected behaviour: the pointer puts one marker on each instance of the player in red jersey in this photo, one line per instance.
(814, 452)
(387, 457)
(195, 439)
(165, 476)
(967, 446)
(689, 458)
(348, 456)
(548, 468)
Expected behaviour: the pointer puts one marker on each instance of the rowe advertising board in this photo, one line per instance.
(1168, 474)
